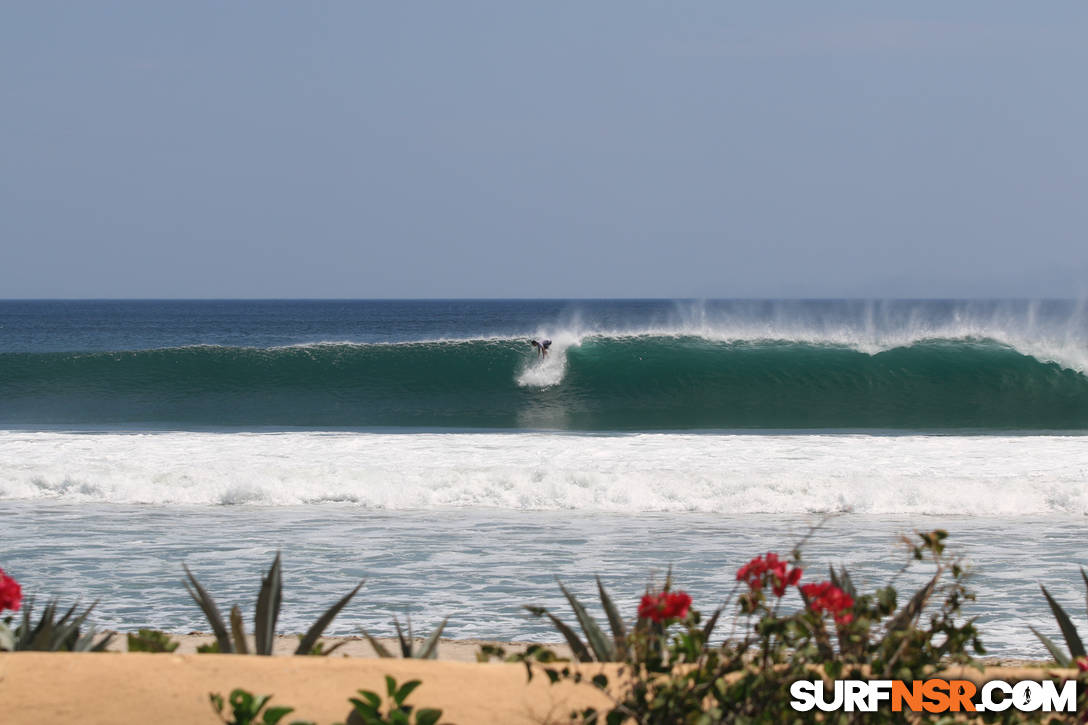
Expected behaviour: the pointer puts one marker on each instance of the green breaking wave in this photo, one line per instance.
(607, 383)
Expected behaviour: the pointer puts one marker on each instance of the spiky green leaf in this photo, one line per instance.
(1060, 657)
(1072, 639)
(102, 644)
(908, 614)
(211, 612)
(615, 622)
(405, 641)
(578, 648)
(604, 650)
(847, 583)
(335, 647)
(268, 608)
(309, 640)
(379, 648)
(1084, 576)
(430, 647)
(238, 631)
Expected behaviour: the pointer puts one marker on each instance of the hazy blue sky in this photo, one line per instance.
(591, 149)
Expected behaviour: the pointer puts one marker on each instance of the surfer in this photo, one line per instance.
(541, 346)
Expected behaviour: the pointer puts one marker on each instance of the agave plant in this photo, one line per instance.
(268, 611)
(52, 633)
(597, 646)
(428, 651)
(1069, 632)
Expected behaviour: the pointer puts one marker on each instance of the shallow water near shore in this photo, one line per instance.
(479, 566)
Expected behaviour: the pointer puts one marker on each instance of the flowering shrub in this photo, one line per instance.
(746, 678)
(52, 633)
(11, 594)
(761, 571)
(664, 606)
(826, 597)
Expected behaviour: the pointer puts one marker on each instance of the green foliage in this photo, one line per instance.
(319, 648)
(269, 599)
(1073, 641)
(632, 643)
(246, 708)
(904, 643)
(51, 633)
(746, 679)
(150, 640)
(428, 651)
(596, 647)
(368, 708)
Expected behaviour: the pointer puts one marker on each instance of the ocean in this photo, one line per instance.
(426, 447)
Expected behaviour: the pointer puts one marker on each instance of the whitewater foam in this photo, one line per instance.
(913, 474)
(870, 327)
(549, 370)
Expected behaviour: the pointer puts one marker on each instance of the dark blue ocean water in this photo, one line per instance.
(116, 325)
(36, 326)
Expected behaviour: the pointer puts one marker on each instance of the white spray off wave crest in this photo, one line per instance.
(872, 327)
(963, 475)
(544, 372)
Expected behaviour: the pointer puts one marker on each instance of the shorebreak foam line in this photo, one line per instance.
(962, 475)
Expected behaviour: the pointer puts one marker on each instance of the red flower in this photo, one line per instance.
(1082, 664)
(769, 570)
(677, 605)
(664, 606)
(826, 597)
(11, 594)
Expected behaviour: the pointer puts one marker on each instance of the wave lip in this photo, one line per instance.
(628, 381)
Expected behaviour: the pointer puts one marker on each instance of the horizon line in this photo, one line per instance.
(1018, 298)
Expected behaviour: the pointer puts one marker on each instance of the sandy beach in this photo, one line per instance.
(113, 688)
(167, 688)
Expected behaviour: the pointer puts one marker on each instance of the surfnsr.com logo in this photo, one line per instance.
(933, 695)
